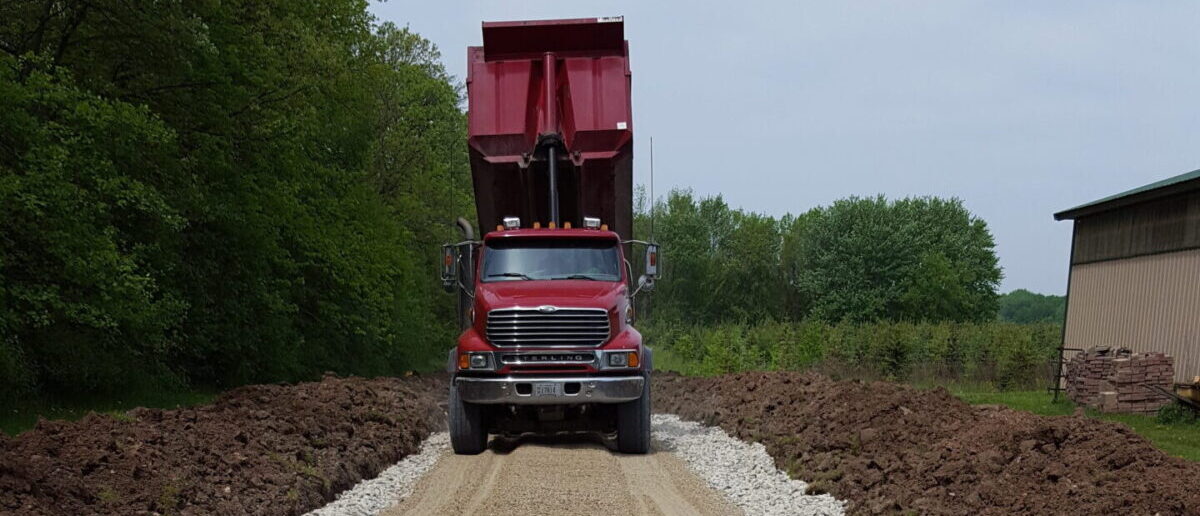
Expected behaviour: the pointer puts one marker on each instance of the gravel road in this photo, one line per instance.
(691, 470)
(560, 476)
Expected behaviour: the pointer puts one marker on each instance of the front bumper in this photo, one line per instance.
(570, 390)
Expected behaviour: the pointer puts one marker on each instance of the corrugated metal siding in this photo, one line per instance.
(1161, 225)
(1147, 303)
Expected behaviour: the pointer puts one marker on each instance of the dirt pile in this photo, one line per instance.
(267, 449)
(890, 448)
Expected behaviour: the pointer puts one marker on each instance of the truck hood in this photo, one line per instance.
(564, 293)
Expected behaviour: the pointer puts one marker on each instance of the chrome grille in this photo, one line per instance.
(542, 327)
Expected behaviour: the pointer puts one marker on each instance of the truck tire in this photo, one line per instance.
(468, 433)
(633, 422)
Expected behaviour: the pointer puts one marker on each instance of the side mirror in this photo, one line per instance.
(645, 283)
(449, 268)
(651, 262)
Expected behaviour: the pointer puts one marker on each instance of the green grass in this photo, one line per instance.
(14, 420)
(1177, 439)
(1038, 402)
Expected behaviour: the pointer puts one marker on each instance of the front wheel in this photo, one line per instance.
(633, 422)
(468, 433)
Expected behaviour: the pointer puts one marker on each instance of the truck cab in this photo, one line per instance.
(550, 344)
(546, 299)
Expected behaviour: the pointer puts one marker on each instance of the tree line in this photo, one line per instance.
(215, 193)
(866, 287)
(861, 259)
(1025, 307)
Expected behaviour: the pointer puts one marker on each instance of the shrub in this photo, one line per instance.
(1174, 413)
(1007, 355)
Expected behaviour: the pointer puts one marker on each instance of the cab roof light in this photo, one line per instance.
(512, 223)
(591, 222)
(604, 227)
(567, 225)
(553, 225)
(537, 225)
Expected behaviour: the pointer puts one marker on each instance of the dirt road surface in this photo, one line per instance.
(561, 476)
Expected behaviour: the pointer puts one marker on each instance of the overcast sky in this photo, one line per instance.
(1019, 108)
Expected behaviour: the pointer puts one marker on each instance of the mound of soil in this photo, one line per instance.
(889, 448)
(266, 449)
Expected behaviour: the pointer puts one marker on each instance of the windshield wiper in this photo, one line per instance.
(576, 276)
(510, 275)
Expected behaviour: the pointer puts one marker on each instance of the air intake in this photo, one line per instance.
(548, 327)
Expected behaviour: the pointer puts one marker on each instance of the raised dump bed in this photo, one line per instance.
(557, 88)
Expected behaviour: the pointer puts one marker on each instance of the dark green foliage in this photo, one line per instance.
(1174, 413)
(220, 192)
(84, 227)
(1023, 306)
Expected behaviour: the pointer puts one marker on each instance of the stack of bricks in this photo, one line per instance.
(1118, 382)
(1087, 375)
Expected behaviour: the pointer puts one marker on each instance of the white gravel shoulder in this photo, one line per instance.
(742, 471)
(370, 497)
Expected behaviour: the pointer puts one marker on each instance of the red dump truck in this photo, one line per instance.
(546, 295)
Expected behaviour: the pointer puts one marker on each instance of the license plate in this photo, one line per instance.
(547, 389)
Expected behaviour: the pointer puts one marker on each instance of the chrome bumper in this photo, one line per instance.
(570, 390)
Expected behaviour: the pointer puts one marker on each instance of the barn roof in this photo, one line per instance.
(1170, 186)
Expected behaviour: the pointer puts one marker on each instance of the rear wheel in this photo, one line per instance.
(468, 433)
(633, 422)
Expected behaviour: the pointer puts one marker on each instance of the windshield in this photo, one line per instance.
(551, 259)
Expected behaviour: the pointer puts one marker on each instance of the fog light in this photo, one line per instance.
(479, 361)
(618, 359)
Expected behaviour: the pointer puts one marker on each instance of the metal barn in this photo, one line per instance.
(1135, 272)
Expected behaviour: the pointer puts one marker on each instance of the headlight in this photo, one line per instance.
(474, 361)
(623, 359)
(479, 361)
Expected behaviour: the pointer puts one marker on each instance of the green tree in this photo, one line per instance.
(864, 259)
(85, 233)
(220, 192)
(720, 264)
